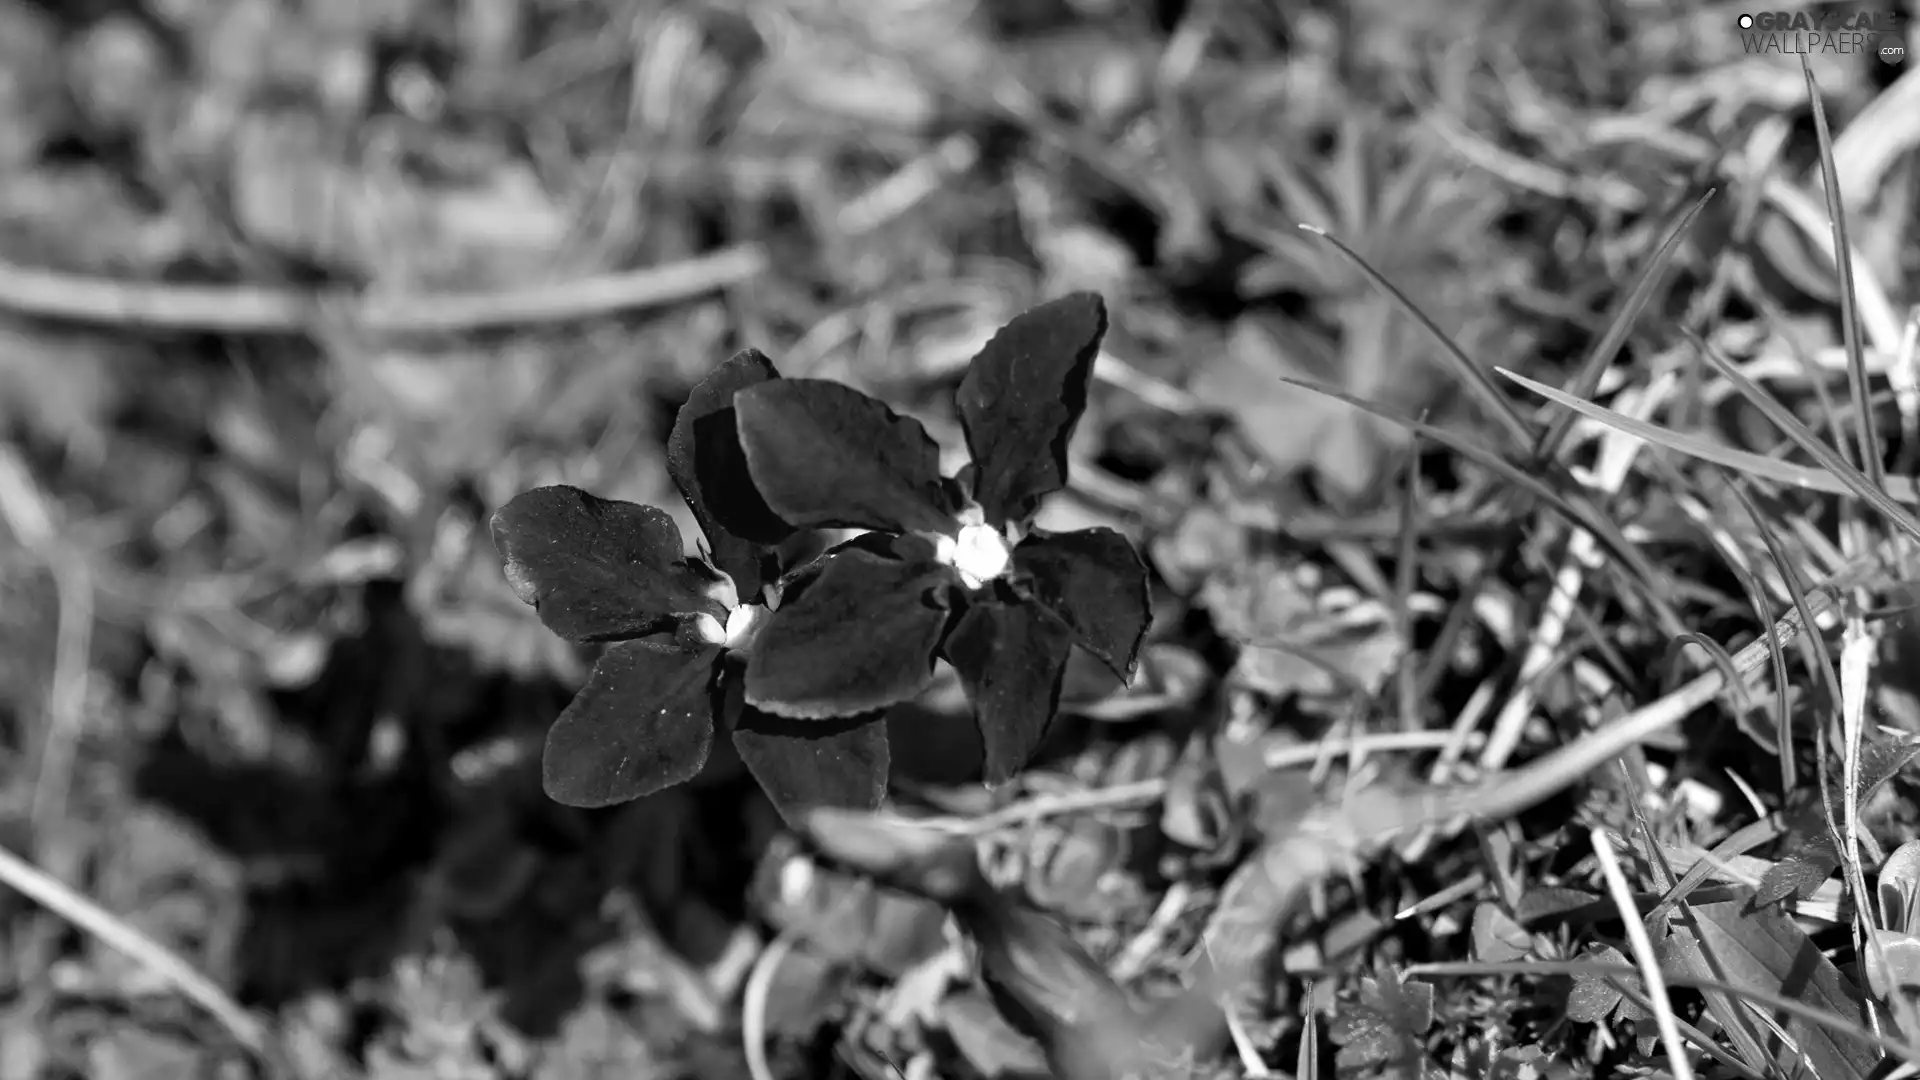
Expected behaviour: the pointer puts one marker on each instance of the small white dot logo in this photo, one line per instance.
(1746, 22)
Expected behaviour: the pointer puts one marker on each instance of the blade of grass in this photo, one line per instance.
(1480, 455)
(1741, 841)
(1849, 300)
(1796, 588)
(1875, 494)
(1719, 657)
(1406, 579)
(1620, 325)
(1733, 1020)
(1834, 418)
(1581, 512)
(1783, 715)
(1830, 680)
(1759, 466)
(1856, 662)
(1652, 588)
(1307, 1061)
(1609, 471)
(1473, 375)
(1831, 481)
(1856, 652)
(1707, 1044)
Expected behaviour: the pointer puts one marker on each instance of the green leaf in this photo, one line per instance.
(859, 637)
(826, 456)
(802, 764)
(1010, 658)
(642, 723)
(1497, 937)
(1767, 950)
(1594, 996)
(1020, 399)
(1382, 1030)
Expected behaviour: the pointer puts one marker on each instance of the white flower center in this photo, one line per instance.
(740, 624)
(979, 553)
(796, 880)
(739, 627)
(709, 629)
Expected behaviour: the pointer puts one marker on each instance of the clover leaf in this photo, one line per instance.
(598, 570)
(826, 455)
(867, 623)
(704, 457)
(643, 722)
(1382, 1032)
(1021, 399)
(951, 566)
(1010, 658)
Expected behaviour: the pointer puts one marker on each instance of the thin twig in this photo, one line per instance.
(1134, 958)
(1583, 556)
(27, 514)
(1146, 792)
(67, 694)
(239, 309)
(1643, 955)
(61, 899)
(754, 1001)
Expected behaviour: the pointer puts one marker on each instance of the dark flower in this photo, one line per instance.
(677, 628)
(951, 567)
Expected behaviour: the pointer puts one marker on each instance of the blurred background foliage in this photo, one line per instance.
(293, 294)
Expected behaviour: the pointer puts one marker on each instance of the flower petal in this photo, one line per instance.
(826, 456)
(802, 764)
(1094, 581)
(858, 637)
(707, 464)
(1022, 396)
(643, 723)
(1010, 658)
(597, 569)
